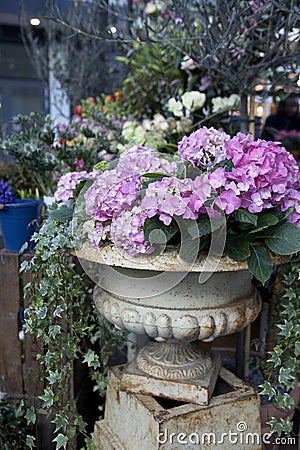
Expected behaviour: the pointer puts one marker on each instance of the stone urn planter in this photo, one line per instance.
(166, 299)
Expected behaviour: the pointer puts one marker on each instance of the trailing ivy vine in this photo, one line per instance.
(67, 327)
(283, 361)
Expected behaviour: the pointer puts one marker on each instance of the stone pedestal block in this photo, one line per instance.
(143, 422)
(192, 390)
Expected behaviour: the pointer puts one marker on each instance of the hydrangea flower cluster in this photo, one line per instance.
(204, 148)
(6, 194)
(126, 231)
(112, 192)
(68, 182)
(143, 160)
(233, 173)
(168, 198)
(263, 173)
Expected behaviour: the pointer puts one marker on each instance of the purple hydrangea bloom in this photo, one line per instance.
(96, 232)
(66, 185)
(144, 160)
(112, 192)
(167, 198)
(204, 148)
(263, 171)
(126, 231)
(6, 194)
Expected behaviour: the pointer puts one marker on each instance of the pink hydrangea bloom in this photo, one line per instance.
(113, 192)
(144, 160)
(292, 200)
(204, 148)
(201, 192)
(228, 201)
(67, 183)
(126, 231)
(167, 198)
(263, 171)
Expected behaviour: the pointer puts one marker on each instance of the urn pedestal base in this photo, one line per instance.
(193, 390)
(144, 422)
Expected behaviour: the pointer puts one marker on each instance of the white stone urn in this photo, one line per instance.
(161, 297)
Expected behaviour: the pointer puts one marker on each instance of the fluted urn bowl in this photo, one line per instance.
(174, 303)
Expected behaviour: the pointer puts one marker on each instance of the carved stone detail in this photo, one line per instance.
(174, 360)
(182, 324)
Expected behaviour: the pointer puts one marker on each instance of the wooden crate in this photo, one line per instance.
(19, 369)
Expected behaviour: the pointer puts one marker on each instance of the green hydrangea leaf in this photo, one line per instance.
(260, 264)
(156, 232)
(237, 247)
(264, 221)
(244, 216)
(283, 239)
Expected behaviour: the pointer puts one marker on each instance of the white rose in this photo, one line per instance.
(193, 100)
(225, 103)
(175, 107)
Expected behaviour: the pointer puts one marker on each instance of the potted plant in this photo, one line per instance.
(224, 196)
(18, 218)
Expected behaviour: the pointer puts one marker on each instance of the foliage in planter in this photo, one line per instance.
(22, 182)
(62, 317)
(283, 364)
(153, 78)
(14, 431)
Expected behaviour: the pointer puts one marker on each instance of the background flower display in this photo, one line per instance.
(291, 141)
(252, 185)
(93, 132)
(39, 150)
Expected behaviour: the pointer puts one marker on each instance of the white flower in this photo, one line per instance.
(160, 122)
(193, 100)
(188, 64)
(175, 107)
(225, 103)
(189, 102)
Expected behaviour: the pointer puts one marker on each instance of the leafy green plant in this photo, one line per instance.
(153, 77)
(283, 363)
(15, 433)
(31, 144)
(64, 320)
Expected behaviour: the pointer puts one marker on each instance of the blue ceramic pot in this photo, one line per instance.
(19, 220)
